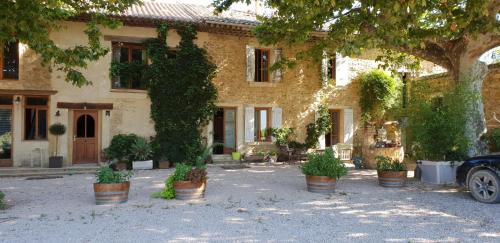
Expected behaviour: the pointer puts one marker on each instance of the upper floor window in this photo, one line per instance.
(128, 62)
(332, 68)
(261, 65)
(35, 117)
(9, 61)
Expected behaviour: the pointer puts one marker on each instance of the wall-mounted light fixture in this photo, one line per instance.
(17, 100)
(108, 113)
(58, 113)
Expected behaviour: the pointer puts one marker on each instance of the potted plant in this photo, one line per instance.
(141, 153)
(119, 150)
(391, 173)
(322, 171)
(112, 186)
(56, 129)
(357, 160)
(236, 156)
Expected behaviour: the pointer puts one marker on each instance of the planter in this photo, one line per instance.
(186, 190)
(142, 165)
(164, 164)
(111, 193)
(121, 165)
(438, 172)
(236, 156)
(55, 162)
(320, 184)
(392, 178)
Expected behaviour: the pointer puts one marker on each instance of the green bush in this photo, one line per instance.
(57, 129)
(183, 172)
(492, 138)
(378, 92)
(141, 150)
(324, 164)
(321, 126)
(106, 175)
(387, 164)
(120, 147)
(282, 135)
(436, 127)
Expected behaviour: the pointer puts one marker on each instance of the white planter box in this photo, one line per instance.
(142, 165)
(438, 172)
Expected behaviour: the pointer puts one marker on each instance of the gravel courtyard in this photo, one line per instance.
(254, 204)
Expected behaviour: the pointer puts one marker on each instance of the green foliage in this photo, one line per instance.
(282, 135)
(182, 94)
(141, 150)
(436, 129)
(31, 22)
(129, 71)
(492, 138)
(385, 163)
(321, 126)
(106, 175)
(377, 93)
(2, 202)
(183, 172)
(324, 164)
(120, 147)
(57, 129)
(168, 192)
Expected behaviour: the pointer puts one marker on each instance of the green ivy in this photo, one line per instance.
(128, 71)
(378, 92)
(182, 94)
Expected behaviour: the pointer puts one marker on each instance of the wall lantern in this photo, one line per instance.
(58, 113)
(17, 100)
(108, 113)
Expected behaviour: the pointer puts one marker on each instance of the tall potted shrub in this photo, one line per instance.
(119, 150)
(322, 171)
(141, 153)
(56, 129)
(391, 173)
(111, 186)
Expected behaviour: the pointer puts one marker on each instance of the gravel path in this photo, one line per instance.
(255, 204)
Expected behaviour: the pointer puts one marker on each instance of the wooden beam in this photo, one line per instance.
(85, 106)
(26, 92)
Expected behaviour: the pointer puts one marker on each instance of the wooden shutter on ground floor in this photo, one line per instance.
(348, 126)
(276, 118)
(276, 57)
(250, 55)
(249, 124)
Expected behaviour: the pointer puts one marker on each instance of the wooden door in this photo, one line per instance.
(333, 137)
(85, 135)
(224, 130)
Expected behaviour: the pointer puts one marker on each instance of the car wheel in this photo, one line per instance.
(484, 186)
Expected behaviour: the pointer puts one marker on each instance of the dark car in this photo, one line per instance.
(481, 175)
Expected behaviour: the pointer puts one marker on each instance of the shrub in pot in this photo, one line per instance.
(141, 154)
(112, 186)
(119, 150)
(391, 173)
(56, 129)
(322, 171)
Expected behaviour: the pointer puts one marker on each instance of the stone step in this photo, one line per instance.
(24, 172)
(222, 157)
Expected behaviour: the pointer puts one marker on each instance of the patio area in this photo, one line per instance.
(261, 203)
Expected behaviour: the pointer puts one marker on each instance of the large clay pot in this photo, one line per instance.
(186, 190)
(392, 178)
(320, 184)
(111, 193)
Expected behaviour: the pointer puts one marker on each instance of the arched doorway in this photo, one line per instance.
(85, 137)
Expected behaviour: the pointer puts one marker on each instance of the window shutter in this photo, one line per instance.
(249, 124)
(322, 144)
(278, 73)
(276, 118)
(116, 53)
(250, 64)
(348, 126)
(324, 68)
(341, 70)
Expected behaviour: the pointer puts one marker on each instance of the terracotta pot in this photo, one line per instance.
(392, 178)
(164, 164)
(185, 190)
(111, 193)
(321, 184)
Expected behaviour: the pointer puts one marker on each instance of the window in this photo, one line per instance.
(5, 127)
(332, 68)
(262, 124)
(133, 54)
(261, 65)
(333, 137)
(9, 61)
(35, 118)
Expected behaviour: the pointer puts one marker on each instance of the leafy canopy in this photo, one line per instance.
(378, 92)
(31, 22)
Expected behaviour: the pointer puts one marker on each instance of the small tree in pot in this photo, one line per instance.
(112, 186)
(322, 171)
(119, 150)
(391, 173)
(56, 129)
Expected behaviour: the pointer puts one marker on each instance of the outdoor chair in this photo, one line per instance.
(343, 151)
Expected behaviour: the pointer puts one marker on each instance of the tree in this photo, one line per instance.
(31, 21)
(450, 33)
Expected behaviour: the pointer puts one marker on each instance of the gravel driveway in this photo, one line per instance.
(255, 204)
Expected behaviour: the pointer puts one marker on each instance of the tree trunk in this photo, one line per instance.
(472, 73)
